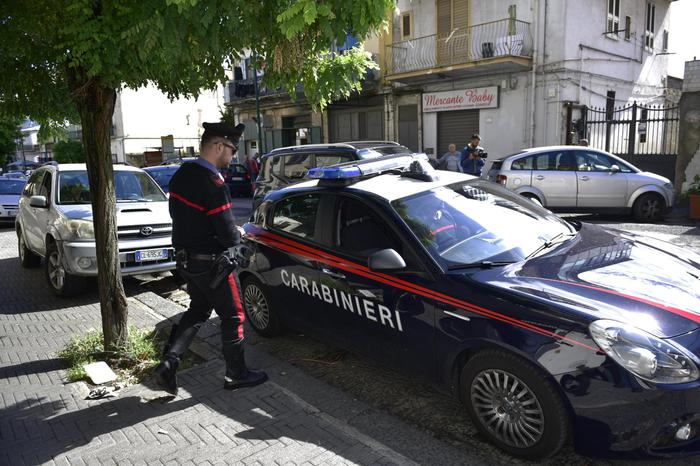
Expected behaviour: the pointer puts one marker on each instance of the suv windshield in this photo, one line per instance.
(130, 186)
(476, 221)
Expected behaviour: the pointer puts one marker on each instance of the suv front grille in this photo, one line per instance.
(142, 231)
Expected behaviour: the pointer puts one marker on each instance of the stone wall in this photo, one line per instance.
(688, 163)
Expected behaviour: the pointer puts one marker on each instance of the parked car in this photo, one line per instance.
(238, 179)
(10, 191)
(545, 329)
(287, 165)
(162, 174)
(55, 222)
(581, 179)
(15, 174)
(178, 160)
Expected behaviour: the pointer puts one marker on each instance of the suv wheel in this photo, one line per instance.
(27, 258)
(648, 207)
(60, 281)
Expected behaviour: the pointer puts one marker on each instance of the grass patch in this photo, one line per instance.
(130, 363)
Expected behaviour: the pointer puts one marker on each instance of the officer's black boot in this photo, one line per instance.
(165, 372)
(237, 374)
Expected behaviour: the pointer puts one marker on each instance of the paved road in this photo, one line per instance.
(293, 419)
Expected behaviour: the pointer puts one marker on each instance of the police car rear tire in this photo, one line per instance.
(514, 404)
(259, 308)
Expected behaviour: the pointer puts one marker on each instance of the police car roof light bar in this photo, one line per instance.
(347, 173)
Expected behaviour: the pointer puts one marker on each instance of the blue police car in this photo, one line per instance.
(545, 329)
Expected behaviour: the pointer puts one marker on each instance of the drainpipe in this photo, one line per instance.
(533, 78)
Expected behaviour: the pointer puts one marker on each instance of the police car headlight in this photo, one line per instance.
(641, 353)
(80, 229)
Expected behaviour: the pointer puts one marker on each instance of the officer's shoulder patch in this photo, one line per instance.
(217, 179)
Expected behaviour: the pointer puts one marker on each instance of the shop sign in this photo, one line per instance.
(463, 99)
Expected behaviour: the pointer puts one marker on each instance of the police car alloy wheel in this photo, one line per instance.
(514, 404)
(259, 308)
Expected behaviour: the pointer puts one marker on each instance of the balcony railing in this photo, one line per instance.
(501, 38)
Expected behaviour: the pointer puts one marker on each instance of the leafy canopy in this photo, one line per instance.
(180, 46)
(69, 151)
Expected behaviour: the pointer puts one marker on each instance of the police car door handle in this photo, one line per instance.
(458, 316)
(336, 275)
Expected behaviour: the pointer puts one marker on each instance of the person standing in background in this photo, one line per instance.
(450, 160)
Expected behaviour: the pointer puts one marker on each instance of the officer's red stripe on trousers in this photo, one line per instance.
(237, 301)
(294, 247)
(186, 202)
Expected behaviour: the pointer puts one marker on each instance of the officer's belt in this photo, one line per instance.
(202, 257)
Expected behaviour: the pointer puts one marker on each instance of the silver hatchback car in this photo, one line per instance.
(582, 179)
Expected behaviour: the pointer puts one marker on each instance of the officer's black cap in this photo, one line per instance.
(224, 130)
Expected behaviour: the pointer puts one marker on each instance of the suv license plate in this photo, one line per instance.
(151, 255)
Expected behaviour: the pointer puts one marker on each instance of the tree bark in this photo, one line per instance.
(95, 103)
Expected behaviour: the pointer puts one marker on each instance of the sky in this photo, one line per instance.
(684, 37)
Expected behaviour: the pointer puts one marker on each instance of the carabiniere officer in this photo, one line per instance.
(203, 231)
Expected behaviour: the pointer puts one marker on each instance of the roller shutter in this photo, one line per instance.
(456, 127)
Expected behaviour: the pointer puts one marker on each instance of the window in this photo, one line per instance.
(613, 19)
(650, 26)
(565, 161)
(598, 162)
(524, 163)
(407, 25)
(33, 183)
(664, 47)
(272, 166)
(325, 160)
(544, 162)
(628, 28)
(45, 188)
(297, 215)
(361, 232)
(296, 165)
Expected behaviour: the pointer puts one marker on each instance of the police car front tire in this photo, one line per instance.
(259, 308)
(514, 404)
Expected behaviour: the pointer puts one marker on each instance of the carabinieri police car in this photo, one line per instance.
(545, 329)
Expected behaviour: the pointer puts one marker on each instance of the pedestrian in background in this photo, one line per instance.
(252, 165)
(450, 159)
(472, 160)
(204, 229)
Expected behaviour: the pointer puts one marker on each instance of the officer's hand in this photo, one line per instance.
(240, 230)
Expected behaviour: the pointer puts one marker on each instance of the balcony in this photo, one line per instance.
(244, 89)
(495, 47)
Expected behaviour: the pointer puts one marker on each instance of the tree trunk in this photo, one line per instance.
(95, 103)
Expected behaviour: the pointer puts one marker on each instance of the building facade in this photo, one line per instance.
(521, 73)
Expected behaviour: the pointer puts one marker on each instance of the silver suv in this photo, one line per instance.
(575, 178)
(55, 222)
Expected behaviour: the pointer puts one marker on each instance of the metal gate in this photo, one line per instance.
(646, 136)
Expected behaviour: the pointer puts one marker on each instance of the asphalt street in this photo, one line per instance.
(394, 407)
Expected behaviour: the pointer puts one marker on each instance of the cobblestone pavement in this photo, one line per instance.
(292, 419)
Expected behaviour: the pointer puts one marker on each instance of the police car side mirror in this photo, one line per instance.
(385, 260)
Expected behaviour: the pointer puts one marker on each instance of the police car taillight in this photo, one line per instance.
(351, 171)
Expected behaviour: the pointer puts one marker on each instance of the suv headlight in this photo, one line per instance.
(80, 229)
(641, 353)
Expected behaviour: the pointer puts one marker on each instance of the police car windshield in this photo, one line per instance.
(475, 221)
(130, 186)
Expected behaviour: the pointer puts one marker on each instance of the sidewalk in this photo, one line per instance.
(292, 419)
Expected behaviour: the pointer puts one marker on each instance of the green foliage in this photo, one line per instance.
(51, 131)
(8, 138)
(134, 359)
(69, 152)
(694, 187)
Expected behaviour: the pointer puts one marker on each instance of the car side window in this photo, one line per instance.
(32, 184)
(565, 161)
(297, 215)
(360, 232)
(544, 162)
(595, 161)
(296, 165)
(325, 160)
(274, 167)
(45, 187)
(523, 163)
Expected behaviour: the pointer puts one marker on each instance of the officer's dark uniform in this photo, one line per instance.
(203, 228)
